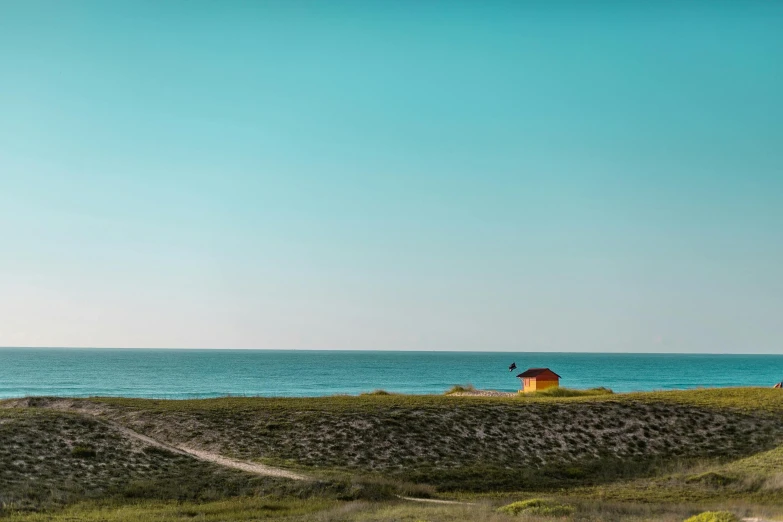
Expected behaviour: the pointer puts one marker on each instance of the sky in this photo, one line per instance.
(527, 176)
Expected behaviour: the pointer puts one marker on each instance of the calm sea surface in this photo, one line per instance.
(211, 373)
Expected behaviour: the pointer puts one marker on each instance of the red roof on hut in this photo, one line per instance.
(538, 372)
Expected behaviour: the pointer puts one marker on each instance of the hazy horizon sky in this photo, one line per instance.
(527, 176)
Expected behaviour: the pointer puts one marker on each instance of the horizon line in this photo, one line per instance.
(372, 350)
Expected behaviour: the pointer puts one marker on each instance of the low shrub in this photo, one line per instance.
(537, 507)
(714, 516)
(711, 479)
(459, 388)
(370, 490)
(83, 452)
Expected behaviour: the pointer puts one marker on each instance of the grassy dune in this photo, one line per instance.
(647, 456)
(468, 442)
(757, 478)
(50, 458)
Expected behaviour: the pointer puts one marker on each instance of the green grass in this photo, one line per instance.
(537, 507)
(84, 452)
(714, 516)
(757, 479)
(239, 509)
(744, 399)
(557, 391)
(326, 510)
(767, 463)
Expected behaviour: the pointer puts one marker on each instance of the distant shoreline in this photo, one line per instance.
(382, 350)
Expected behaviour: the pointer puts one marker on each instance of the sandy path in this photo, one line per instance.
(436, 501)
(250, 467)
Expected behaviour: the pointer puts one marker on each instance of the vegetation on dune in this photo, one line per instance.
(461, 388)
(457, 442)
(767, 464)
(714, 516)
(239, 509)
(600, 456)
(537, 507)
(758, 478)
(744, 399)
(558, 391)
(326, 510)
(747, 399)
(760, 475)
(51, 458)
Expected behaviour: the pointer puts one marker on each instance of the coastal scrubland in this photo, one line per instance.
(598, 456)
(50, 458)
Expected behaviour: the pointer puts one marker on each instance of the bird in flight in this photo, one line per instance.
(512, 367)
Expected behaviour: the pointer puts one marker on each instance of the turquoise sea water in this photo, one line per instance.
(211, 373)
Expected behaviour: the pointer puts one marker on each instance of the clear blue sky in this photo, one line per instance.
(541, 175)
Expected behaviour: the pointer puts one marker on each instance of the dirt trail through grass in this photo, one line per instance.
(250, 467)
(436, 501)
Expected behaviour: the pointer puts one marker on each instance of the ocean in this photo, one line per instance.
(181, 374)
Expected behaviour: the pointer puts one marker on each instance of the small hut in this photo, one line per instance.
(537, 379)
